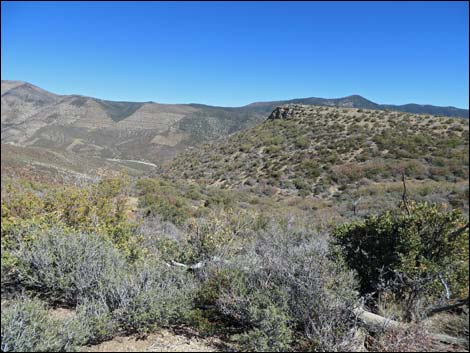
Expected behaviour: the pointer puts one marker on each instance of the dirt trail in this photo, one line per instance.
(132, 161)
(163, 341)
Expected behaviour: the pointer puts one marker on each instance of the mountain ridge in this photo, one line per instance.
(354, 98)
(146, 131)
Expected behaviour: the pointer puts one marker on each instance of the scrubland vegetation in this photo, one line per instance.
(315, 150)
(132, 256)
(278, 239)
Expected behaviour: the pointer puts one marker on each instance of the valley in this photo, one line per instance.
(232, 229)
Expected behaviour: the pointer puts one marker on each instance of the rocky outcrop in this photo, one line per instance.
(289, 111)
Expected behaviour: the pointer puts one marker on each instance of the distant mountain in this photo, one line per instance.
(147, 131)
(356, 101)
(31, 116)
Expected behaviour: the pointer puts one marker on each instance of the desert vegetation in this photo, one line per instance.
(127, 256)
(322, 229)
(315, 150)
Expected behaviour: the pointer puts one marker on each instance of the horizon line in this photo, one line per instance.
(232, 106)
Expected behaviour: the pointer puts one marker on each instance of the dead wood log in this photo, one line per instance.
(376, 323)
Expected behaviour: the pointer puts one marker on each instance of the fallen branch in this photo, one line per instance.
(198, 265)
(434, 310)
(449, 339)
(376, 323)
(189, 267)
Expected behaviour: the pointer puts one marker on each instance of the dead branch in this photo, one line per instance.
(437, 309)
(377, 323)
(405, 196)
(460, 230)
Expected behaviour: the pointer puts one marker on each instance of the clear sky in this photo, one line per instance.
(232, 54)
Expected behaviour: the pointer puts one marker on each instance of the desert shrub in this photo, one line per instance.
(163, 199)
(310, 168)
(153, 295)
(65, 266)
(217, 198)
(86, 270)
(98, 319)
(218, 233)
(99, 208)
(171, 209)
(285, 284)
(245, 147)
(417, 252)
(273, 149)
(273, 333)
(27, 327)
(301, 184)
(276, 140)
(347, 173)
(194, 192)
(332, 158)
(302, 142)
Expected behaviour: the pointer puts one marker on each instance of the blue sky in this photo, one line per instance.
(232, 54)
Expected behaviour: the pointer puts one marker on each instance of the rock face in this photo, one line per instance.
(288, 111)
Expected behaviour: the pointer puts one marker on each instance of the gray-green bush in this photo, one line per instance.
(111, 294)
(154, 294)
(67, 266)
(28, 327)
(286, 283)
(98, 319)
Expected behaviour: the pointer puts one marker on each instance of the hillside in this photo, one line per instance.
(98, 128)
(323, 151)
(230, 246)
(145, 131)
(57, 166)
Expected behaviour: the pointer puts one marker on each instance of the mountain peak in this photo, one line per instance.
(357, 97)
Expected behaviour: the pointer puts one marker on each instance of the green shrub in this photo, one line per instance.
(246, 147)
(272, 149)
(300, 184)
(310, 168)
(28, 327)
(99, 208)
(87, 270)
(420, 251)
(302, 142)
(162, 199)
(272, 333)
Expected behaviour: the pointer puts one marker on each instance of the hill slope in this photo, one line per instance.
(319, 151)
(145, 131)
(129, 130)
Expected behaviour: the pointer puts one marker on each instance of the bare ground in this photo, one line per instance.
(162, 341)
